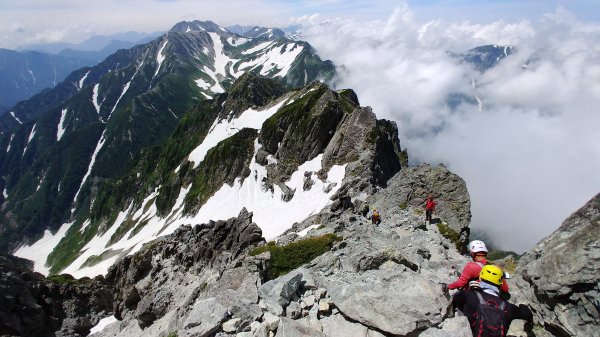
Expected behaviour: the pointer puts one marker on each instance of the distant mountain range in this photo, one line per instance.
(59, 147)
(26, 72)
(94, 43)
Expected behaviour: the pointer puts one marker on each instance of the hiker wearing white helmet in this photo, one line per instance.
(478, 252)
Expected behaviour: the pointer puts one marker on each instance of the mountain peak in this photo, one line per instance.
(197, 25)
(250, 90)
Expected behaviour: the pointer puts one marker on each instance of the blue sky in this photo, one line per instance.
(26, 22)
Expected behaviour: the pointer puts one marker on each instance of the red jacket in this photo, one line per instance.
(471, 272)
(430, 204)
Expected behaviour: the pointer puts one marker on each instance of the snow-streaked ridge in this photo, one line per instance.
(275, 60)
(227, 202)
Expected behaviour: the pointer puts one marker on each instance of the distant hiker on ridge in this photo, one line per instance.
(471, 272)
(429, 208)
(375, 217)
(488, 314)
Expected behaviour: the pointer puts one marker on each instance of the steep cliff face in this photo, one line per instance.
(560, 275)
(31, 305)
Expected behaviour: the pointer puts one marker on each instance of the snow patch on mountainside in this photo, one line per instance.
(39, 251)
(31, 135)
(92, 161)
(10, 142)
(60, 130)
(160, 57)
(237, 41)
(216, 88)
(82, 80)
(119, 99)
(96, 247)
(12, 113)
(223, 129)
(202, 84)
(278, 60)
(271, 213)
(95, 98)
(222, 61)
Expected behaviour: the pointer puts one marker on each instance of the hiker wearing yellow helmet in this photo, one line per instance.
(488, 314)
(471, 272)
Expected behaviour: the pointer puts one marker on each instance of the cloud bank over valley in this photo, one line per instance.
(525, 134)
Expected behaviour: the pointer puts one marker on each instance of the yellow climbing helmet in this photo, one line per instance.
(491, 274)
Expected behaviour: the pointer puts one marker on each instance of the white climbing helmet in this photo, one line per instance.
(477, 246)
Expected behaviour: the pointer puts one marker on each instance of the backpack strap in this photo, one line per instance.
(481, 300)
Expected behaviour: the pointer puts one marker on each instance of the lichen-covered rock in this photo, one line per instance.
(560, 276)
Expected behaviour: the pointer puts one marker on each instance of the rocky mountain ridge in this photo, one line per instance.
(377, 280)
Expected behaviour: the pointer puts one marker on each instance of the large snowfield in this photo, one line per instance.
(270, 212)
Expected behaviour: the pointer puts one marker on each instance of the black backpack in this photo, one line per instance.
(490, 318)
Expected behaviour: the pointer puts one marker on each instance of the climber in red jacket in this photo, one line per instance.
(429, 208)
(471, 271)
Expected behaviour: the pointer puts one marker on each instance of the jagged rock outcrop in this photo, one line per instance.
(410, 187)
(250, 91)
(560, 277)
(184, 263)
(19, 311)
(370, 145)
(31, 305)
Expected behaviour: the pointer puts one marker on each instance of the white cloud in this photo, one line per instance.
(532, 155)
(45, 21)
